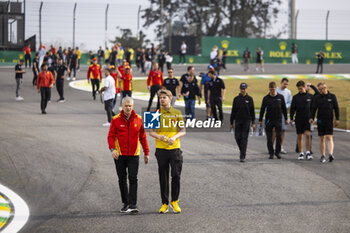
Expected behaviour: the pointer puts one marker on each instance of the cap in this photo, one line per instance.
(111, 67)
(94, 59)
(243, 86)
(210, 67)
(127, 67)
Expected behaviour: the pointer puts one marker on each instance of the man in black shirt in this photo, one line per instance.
(100, 56)
(19, 77)
(275, 106)
(242, 114)
(325, 103)
(301, 105)
(172, 84)
(148, 60)
(73, 64)
(91, 59)
(69, 56)
(161, 59)
(127, 55)
(320, 58)
(189, 91)
(60, 75)
(184, 77)
(36, 69)
(113, 57)
(216, 95)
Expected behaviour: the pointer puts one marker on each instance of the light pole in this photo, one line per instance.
(74, 10)
(106, 18)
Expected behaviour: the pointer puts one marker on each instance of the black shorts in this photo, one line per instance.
(325, 127)
(302, 125)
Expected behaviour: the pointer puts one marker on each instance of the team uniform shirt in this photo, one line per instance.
(325, 105)
(127, 82)
(155, 77)
(205, 79)
(193, 90)
(171, 84)
(215, 87)
(242, 109)
(131, 54)
(274, 106)
(107, 54)
(60, 70)
(115, 77)
(18, 67)
(125, 135)
(109, 93)
(172, 117)
(287, 94)
(27, 50)
(121, 70)
(44, 79)
(94, 72)
(120, 54)
(79, 54)
(301, 105)
(168, 58)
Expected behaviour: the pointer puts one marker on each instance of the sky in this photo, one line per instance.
(57, 20)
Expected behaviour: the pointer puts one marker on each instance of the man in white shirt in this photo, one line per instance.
(183, 51)
(109, 94)
(287, 94)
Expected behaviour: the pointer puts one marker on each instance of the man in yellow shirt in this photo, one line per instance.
(79, 56)
(107, 55)
(168, 151)
(120, 54)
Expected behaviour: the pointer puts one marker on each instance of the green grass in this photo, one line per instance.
(258, 88)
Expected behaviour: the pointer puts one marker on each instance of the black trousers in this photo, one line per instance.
(174, 159)
(161, 66)
(73, 67)
(168, 65)
(95, 83)
(216, 102)
(35, 77)
(28, 60)
(154, 89)
(45, 93)
(319, 65)
(108, 108)
(241, 136)
(59, 87)
(277, 124)
(126, 93)
(182, 58)
(130, 163)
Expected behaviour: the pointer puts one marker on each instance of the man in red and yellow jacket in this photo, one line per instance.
(27, 56)
(95, 74)
(126, 133)
(154, 84)
(44, 84)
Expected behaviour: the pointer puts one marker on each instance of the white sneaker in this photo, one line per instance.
(19, 98)
(68, 78)
(62, 101)
(283, 151)
(73, 79)
(107, 124)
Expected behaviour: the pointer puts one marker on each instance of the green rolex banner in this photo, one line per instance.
(279, 51)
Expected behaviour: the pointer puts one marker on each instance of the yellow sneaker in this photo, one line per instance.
(164, 209)
(176, 208)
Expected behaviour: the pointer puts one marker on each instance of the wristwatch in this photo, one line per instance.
(112, 149)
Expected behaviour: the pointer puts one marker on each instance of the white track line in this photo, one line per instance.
(21, 211)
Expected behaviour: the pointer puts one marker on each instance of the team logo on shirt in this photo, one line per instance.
(151, 120)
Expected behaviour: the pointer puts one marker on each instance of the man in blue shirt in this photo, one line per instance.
(204, 83)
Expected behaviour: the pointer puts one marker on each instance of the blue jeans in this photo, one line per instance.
(189, 108)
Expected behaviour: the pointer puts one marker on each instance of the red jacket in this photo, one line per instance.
(44, 79)
(125, 135)
(156, 77)
(94, 72)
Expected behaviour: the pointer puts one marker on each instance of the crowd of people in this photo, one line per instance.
(126, 130)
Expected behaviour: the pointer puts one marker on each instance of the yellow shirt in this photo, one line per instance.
(79, 53)
(107, 53)
(131, 54)
(169, 127)
(120, 54)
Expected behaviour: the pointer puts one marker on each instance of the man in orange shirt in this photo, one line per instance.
(44, 83)
(154, 84)
(126, 83)
(27, 56)
(94, 73)
(125, 135)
